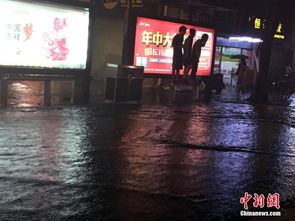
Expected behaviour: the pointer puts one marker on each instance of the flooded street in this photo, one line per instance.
(144, 162)
(143, 110)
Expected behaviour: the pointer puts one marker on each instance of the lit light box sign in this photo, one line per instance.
(43, 35)
(153, 46)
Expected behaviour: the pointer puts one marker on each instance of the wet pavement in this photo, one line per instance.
(160, 161)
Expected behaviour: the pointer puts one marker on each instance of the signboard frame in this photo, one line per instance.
(5, 69)
(129, 48)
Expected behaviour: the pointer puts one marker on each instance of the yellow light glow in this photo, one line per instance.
(279, 36)
(257, 23)
(279, 29)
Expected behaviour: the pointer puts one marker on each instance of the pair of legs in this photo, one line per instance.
(177, 64)
(175, 74)
(193, 67)
(187, 68)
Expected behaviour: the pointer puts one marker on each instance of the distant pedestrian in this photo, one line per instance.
(177, 44)
(196, 53)
(242, 75)
(187, 56)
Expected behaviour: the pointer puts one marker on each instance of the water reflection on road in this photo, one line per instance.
(31, 93)
(147, 162)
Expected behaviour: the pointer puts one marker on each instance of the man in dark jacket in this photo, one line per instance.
(196, 53)
(177, 44)
(187, 56)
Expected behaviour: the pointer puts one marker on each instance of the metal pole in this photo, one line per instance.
(126, 49)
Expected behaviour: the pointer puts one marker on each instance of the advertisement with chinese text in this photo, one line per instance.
(153, 46)
(43, 35)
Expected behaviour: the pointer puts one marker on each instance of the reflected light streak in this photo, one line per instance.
(25, 93)
(155, 166)
(74, 149)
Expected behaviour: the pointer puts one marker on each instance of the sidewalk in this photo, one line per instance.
(230, 94)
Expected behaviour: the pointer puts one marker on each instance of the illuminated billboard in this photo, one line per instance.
(43, 35)
(153, 46)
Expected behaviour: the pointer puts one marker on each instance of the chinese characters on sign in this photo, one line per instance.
(272, 200)
(279, 33)
(58, 40)
(257, 23)
(57, 45)
(28, 30)
(153, 46)
(156, 38)
(260, 24)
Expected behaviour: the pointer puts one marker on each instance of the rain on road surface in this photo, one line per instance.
(148, 162)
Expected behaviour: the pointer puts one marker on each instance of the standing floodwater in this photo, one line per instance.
(149, 162)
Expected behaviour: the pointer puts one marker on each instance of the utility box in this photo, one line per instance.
(124, 83)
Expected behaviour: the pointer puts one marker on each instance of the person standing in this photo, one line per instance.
(242, 75)
(187, 56)
(196, 53)
(177, 44)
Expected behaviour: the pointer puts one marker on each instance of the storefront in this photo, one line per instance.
(227, 56)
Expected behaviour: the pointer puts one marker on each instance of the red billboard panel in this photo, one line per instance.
(153, 46)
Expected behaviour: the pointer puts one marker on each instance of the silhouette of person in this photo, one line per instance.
(187, 56)
(196, 52)
(242, 74)
(177, 44)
